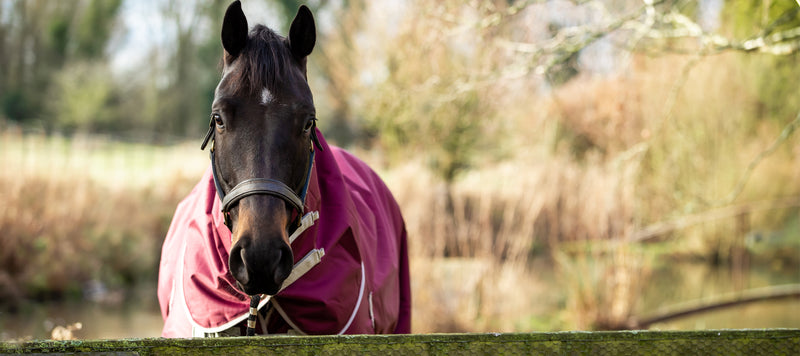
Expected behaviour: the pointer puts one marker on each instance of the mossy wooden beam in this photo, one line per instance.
(719, 342)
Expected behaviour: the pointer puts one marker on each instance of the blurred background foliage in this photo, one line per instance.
(556, 161)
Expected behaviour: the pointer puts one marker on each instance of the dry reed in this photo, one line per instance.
(84, 209)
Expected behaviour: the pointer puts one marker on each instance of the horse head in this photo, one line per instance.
(262, 134)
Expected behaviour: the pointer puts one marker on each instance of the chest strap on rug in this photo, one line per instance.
(313, 258)
(306, 222)
(300, 268)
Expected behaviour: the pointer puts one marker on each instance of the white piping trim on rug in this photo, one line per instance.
(358, 304)
(352, 315)
(197, 329)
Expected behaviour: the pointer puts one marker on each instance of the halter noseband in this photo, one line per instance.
(256, 186)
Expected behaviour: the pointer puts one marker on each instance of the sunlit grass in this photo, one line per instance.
(112, 164)
(85, 209)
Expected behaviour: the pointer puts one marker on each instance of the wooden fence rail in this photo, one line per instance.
(707, 342)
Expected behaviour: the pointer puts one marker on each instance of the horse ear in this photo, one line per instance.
(302, 33)
(234, 30)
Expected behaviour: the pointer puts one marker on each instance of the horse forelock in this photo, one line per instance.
(263, 63)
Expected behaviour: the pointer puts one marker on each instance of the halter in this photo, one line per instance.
(254, 186)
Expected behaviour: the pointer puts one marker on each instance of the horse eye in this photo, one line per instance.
(309, 125)
(218, 120)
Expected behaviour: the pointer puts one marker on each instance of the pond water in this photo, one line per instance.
(137, 317)
(668, 285)
(679, 283)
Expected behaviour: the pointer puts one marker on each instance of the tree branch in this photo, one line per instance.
(787, 132)
(679, 26)
(788, 291)
(654, 231)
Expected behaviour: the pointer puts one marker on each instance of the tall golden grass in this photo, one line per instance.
(587, 169)
(83, 209)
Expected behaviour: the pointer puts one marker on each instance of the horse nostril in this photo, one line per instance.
(283, 264)
(237, 265)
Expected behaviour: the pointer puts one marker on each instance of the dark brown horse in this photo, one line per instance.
(263, 118)
(275, 175)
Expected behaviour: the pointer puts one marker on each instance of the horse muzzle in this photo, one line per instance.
(260, 267)
(261, 257)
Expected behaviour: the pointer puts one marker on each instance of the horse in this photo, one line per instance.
(283, 234)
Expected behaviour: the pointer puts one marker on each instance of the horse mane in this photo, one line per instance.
(263, 63)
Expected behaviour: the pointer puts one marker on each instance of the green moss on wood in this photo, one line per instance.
(724, 342)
